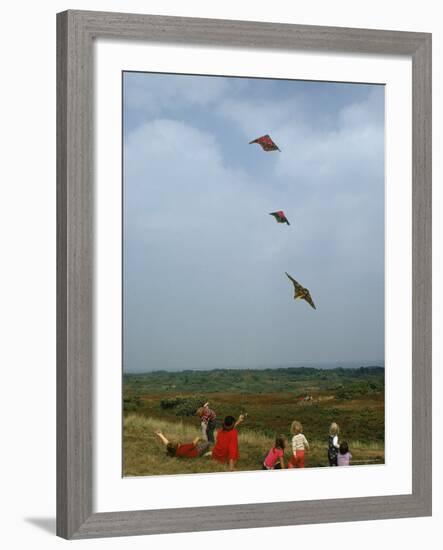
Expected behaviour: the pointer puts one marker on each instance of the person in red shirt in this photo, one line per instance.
(226, 444)
(184, 450)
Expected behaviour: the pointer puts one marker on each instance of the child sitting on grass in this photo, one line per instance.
(299, 446)
(333, 445)
(184, 450)
(226, 444)
(344, 456)
(275, 458)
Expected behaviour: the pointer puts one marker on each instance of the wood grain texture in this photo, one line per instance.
(212, 518)
(75, 263)
(157, 28)
(422, 270)
(62, 373)
(76, 31)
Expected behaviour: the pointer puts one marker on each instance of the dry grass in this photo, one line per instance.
(145, 455)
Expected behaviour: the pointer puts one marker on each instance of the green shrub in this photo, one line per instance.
(183, 406)
(131, 404)
(171, 403)
(188, 406)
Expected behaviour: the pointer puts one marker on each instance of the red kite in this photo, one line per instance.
(266, 143)
(280, 217)
(300, 292)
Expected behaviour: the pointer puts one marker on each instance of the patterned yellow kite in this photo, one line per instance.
(301, 292)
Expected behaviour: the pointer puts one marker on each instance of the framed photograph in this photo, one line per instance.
(243, 275)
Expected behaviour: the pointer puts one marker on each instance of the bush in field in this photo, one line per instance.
(188, 406)
(171, 403)
(131, 404)
(343, 393)
(360, 389)
(183, 406)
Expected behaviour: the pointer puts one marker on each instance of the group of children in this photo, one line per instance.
(338, 454)
(225, 449)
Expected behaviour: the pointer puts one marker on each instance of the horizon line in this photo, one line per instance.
(287, 367)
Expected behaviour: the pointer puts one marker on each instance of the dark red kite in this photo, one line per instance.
(266, 143)
(300, 292)
(280, 217)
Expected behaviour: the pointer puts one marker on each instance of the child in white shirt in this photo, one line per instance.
(333, 445)
(299, 446)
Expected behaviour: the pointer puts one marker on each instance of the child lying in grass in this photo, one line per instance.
(184, 450)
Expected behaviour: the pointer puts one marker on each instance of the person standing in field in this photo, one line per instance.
(226, 444)
(183, 450)
(344, 456)
(275, 458)
(333, 445)
(299, 446)
(207, 422)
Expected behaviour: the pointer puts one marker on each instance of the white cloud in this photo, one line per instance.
(258, 117)
(158, 93)
(318, 152)
(175, 168)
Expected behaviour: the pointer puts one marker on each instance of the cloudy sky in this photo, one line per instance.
(204, 263)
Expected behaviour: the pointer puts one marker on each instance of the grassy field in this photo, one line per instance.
(145, 455)
(272, 398)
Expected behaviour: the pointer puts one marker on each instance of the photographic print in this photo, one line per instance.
(253, 274)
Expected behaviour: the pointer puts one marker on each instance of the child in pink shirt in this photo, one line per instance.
(275, 458)
(343, 456)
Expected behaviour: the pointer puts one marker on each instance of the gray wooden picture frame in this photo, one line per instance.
(76, 32)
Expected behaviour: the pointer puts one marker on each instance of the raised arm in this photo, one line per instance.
(239, 420)
(162, 438)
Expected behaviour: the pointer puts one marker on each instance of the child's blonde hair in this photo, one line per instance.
(200, 411)
(296, 427)
(334, 429)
